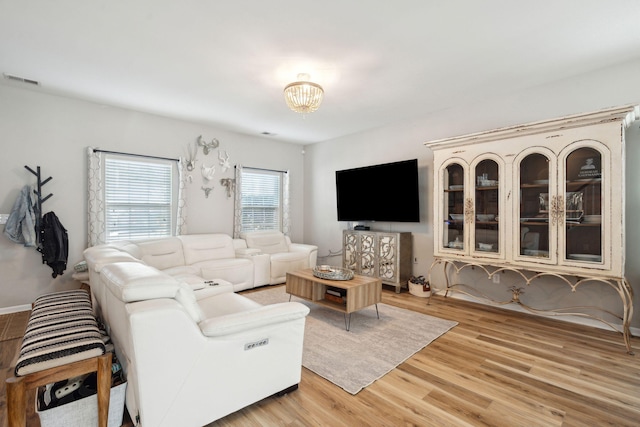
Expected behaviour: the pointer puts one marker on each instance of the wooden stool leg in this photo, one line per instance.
(16, 402)
(104, 389)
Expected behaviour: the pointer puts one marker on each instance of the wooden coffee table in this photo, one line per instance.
(359, 292)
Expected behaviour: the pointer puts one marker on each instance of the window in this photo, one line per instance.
(140, 195)
(261, 196)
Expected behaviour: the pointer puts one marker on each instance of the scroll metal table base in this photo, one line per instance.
(620, 285)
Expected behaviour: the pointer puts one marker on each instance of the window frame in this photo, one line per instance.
(247, 208)
(171, 203)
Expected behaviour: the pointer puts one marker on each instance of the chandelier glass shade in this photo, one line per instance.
(303, 96)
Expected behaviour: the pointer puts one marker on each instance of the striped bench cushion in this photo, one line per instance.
(61, 329)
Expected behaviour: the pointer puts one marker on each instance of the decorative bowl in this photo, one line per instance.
(332, 273)
(485, 246)
(457, 217)
(486, 217)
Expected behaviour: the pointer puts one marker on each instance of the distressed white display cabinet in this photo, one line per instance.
(540, 199)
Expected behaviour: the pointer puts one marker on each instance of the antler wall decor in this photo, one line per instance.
(224, 160)
(208, 172)
(191, 156)
(208, 146)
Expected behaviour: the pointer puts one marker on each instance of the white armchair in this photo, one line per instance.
(284, 256)
(192, 357)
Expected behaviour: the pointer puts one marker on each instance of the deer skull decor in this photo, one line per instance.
(206, 190)
(208, 172)
(191, 158)
(229, 184)
(208, 146)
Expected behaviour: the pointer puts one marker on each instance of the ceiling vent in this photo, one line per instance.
(20, 79)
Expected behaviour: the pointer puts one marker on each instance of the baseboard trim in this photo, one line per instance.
(15, 309)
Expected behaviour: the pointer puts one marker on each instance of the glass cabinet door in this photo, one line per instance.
(367, 254)
(535, 206)
(453, 197)
(583, 209)
(387, 255)
(350, 255)
(486, 233)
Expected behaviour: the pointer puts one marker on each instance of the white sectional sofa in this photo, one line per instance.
(279, 253)
(262, 259)
(191, 348)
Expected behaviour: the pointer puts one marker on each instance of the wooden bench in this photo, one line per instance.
(62, 341)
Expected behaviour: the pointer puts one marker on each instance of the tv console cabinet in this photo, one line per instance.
(385, 255)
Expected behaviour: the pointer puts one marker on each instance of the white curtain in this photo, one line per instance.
(95, 198)
(181, 213)
(237, 203)
(286, 217)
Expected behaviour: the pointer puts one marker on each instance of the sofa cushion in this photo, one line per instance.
(235, 270)
(99, 256)
(203, 247)
(162, 253)
(182, 270)
(269, 242)
(132, 282)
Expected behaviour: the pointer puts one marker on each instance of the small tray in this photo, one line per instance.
(332, 273)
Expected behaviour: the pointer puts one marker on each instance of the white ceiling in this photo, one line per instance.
(225, 62)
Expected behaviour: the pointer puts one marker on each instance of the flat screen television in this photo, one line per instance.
(385, 192)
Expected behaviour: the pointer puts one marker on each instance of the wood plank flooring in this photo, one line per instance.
(496, 368)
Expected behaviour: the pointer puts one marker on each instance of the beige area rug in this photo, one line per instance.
(373, 347)
(12, 325)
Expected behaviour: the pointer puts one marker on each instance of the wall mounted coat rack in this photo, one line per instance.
(40, 199)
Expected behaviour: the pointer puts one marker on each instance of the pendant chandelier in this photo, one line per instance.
(303, 96)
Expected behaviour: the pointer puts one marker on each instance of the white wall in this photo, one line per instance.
(615, 86)
(53, 132)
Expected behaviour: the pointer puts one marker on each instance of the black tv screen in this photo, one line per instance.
(386, 192)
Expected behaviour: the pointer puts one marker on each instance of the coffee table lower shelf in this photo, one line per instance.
(359, 292)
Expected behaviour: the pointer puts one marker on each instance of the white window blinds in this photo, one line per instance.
(261, 199)
(139, 198)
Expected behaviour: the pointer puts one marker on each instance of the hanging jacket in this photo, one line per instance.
(21, 224)
(54, 243)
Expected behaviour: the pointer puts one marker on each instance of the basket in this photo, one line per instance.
(418, 290)
(84, 412)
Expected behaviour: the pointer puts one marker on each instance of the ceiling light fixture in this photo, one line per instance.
(303, 96)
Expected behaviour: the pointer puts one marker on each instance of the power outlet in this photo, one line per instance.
(4, 218)
(496, 278)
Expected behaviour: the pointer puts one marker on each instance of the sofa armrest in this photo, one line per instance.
(301, 247)
(310, 250)
(252, 319)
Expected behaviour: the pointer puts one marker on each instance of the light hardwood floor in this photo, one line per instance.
(496, 368)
